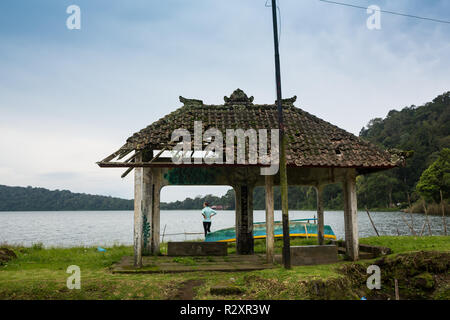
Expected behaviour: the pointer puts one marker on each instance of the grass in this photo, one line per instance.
(187, 261)
(40, 273)
(408, 243)
(432, 208)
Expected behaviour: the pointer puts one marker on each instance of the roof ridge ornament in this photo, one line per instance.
(189, 102)
(238, 97)
(399, 156)
(288, 100)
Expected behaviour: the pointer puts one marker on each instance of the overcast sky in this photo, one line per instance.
(68, 97)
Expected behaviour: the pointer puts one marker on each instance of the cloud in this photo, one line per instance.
(58, 158)
(68, 99)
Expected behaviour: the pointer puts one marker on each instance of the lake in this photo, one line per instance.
(105, 228)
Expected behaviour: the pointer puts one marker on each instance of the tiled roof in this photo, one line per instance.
(310, 141)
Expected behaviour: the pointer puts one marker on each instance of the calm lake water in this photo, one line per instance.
(105, 228)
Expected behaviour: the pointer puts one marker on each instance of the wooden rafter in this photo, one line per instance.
(128, 161)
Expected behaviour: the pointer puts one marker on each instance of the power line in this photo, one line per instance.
(386, 11)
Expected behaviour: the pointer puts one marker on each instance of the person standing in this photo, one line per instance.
(207, 214)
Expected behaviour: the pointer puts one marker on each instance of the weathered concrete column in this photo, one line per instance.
(244, 219)
(351, 215)
(320, 218)
(155, 233)
(147, 210)
(138, 214)
(270, 240)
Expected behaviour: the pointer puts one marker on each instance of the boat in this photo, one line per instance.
(297, 228)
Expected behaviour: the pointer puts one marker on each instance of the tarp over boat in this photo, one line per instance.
(297, 228)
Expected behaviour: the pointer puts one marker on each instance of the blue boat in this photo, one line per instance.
(297, 228)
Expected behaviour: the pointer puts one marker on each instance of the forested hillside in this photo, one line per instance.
(40, 199)
(300, 198)
(424, 130)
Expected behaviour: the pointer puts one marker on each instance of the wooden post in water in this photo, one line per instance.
(423, 228)
(270, 240)
(410, 210)
(426, 216)
(373, 224)
(164, 232)
(443, 213)
(410, 227)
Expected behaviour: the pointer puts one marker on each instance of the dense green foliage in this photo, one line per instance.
(40, 199)
(436, 179)
(424, 130)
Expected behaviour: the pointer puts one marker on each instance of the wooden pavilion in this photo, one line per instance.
(317, 153)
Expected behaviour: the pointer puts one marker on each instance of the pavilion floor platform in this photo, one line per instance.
(166, 264)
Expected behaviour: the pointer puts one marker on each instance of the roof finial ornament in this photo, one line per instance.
(238, 97)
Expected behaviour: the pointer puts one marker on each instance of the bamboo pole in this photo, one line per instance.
(410, 210)
(426, 217)
(164, 232)
(373, 224)
(423, 228)
(410, 228)
(443, 213)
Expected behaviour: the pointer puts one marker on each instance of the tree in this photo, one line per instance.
(436, 178)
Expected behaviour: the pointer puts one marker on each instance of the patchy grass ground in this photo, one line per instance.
(40, 273)
(408, 243)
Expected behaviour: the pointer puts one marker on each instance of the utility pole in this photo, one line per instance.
(283, 173)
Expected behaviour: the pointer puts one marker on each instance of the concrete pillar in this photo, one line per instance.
(138, 214)
(320, 218)
(238, 209)
(244, 219)
(351, 215)
(270, 240)
(147, 210)
(155, 233)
